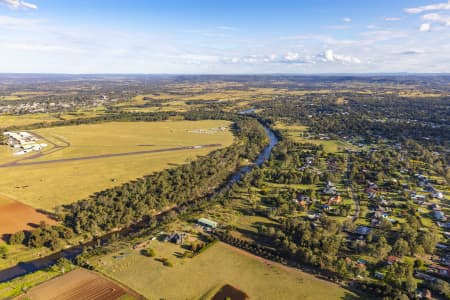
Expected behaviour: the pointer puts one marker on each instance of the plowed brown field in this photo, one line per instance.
(16, 216)
(76, 285)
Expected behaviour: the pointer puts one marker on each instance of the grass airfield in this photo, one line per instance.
(46, 186)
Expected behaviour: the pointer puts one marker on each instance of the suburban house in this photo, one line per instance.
(439, 215)
(363, 230)
(177, 238)
(444, 271)
(335, 200)
(302, 200)
(330, 189)
(371, 188)
(437, 195)
(390, 260)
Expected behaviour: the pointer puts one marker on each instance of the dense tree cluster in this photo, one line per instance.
(44, 236)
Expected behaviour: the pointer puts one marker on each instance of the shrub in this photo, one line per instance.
(148, 252)
(17, 238)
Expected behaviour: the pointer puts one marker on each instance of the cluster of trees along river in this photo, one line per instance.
(123, 205)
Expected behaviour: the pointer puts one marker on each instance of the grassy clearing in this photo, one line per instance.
(295, 132)
(201, 276)
(48, 185)
(15, 287)
(19, 285)
(20, 253)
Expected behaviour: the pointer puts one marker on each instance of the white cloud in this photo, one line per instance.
(392, 19)
(18, 23)
(338, 27)
(444, 20)
(197, 59)
(375, 36)
(421, 9)
(228, 28)
(347, 20)
(18, 4)
(411, 52)
(330, 56)
(38, 47)
(293, 58)
(326, 39)
(425, 27)
(289, 58)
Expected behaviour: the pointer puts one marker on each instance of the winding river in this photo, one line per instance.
(24, 268)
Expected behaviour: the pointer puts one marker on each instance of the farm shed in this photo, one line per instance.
(207, 222)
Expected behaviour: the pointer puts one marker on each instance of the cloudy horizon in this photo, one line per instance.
(188, 37)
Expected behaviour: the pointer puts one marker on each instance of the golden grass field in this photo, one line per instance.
(9, 120)
(200, 277)
(23, 95)
(28, 119)
(48, 185)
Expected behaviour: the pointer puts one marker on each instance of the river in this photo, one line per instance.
(24, 268)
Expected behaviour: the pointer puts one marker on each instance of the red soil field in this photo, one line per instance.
(16, 216)
(75, 285)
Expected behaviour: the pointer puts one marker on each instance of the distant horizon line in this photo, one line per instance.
(232, 74)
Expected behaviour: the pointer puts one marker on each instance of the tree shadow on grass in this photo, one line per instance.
(6, 236)
(33, 225)
(348, 296)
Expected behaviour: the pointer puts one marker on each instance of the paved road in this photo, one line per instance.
(21, 164)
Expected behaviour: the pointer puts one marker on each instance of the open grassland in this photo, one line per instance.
(29, 119)
(120, 137)
(48, 185)
(141, 103)
(221, 92)
(295, 132)
(419, 94)
(12, 120)
(22, 95)
(202, 276)
(78, 284)
(15, 287)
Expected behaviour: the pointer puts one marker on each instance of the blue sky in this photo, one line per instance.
(205, 36)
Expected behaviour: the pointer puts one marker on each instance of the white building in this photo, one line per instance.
(23, 140)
